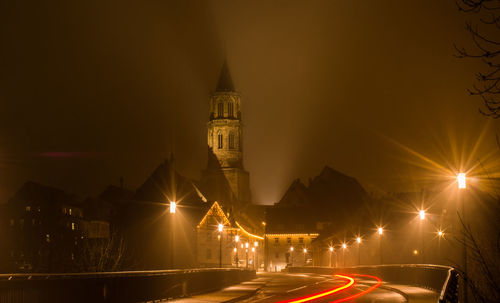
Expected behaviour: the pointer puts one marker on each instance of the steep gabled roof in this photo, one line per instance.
(297, 194)
(225, 83)
(31, 191)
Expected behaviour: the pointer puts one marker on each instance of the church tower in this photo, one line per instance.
(225, 137)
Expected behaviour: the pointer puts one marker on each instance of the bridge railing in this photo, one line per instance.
(441, 279)
(131, 286)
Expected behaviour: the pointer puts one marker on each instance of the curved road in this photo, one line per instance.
(298, 288)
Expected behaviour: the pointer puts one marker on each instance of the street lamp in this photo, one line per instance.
(253, 250)
(256, 254)
(461, 180)
(331, 250)
(291, 255)
(236, 239)
(358, 240)
(344, 246)
(422, 214)
(246, 254)
(173, 206)
(220, 228)
(380, 233)
(305, 256)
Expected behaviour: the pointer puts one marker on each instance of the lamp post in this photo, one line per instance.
(256, 254)
(291, 255)
(421, 214)
(440, 234)
(305, 256)
(172, 209)
(246, 254)
(358, 240)
(344, 246)
(253, 263)
(331, 250)
(221, 227)
(236, 239)
(461, 180)
(380, 233)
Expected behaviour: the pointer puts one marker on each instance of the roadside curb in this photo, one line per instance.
(245, 296)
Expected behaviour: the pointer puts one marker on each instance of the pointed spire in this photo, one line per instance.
(225, 83)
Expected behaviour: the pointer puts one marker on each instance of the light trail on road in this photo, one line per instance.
(379, 282)
(322, 294)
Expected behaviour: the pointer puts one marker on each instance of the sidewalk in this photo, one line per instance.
(229, 294)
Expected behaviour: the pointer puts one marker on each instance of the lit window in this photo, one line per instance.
(220, 140)
(220, 110)
(28, 208)
(47, 238)
(72, 225)
(231, 141)
(69, 211)
(72, 256)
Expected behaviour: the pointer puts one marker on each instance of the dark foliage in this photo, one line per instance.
(484, 28)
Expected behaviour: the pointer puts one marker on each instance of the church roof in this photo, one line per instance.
(225, 83)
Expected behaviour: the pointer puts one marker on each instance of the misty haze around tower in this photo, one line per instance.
(249, 151)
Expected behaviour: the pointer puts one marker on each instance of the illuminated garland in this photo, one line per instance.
(247, 233)
(218, 212)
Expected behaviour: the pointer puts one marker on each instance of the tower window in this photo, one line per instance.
(230, 109)
(231, 141)
(219, 140)
(220, 109)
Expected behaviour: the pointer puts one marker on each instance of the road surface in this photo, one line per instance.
(298, 288)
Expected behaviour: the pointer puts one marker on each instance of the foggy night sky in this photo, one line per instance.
(94, 90)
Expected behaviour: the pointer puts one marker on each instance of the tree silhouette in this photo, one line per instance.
(485, 34)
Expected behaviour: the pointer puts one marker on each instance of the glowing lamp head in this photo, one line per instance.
(255, 243)
(461, 178)
(331, 248)
(291, 248)
(237, 238)
(235, 249)
(422, 214)
(440, 233)
(173, 205)
(305, 250)
(344, 246)
(221, 227)
(415, 252)
(380, 230)
(253, 249)
(358, 239)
